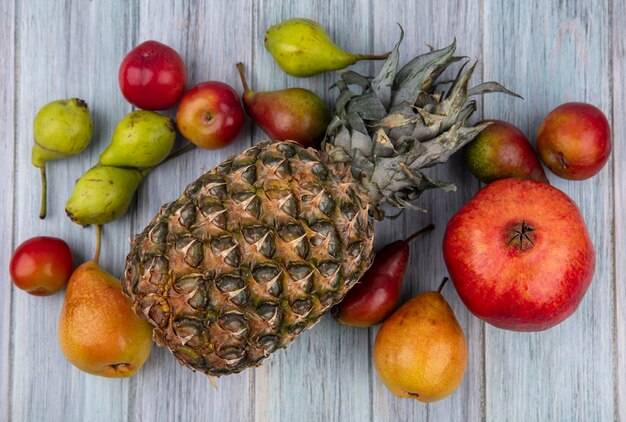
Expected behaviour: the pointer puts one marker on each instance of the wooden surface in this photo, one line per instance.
(549, 52)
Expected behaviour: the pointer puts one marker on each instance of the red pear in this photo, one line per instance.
(294, 114)
(377, 293)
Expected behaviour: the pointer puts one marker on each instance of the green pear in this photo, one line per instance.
(61, 129)
(302, 48)
(102, 194)
(141, 139)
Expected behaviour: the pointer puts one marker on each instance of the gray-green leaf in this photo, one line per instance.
(410, 78)
(488, 87)
(368, 106)
(382, 83)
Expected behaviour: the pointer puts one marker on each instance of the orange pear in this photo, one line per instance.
(98, 331)
(420, 351)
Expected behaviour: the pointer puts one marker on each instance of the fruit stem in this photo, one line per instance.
(183, 150)
(96, 256)
(246, 88)
(443, 282)
(423, 230)
(372, 56)
(44, 190)
(173, 155)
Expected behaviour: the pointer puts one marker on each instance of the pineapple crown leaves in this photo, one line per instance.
(389, 127)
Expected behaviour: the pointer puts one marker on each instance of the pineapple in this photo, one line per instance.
(255, 251)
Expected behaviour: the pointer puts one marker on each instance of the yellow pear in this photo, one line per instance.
(98, 331)
(420, 351)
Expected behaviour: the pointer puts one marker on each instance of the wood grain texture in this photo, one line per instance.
(7, 149)
(566, 51)
(551, 55)
(618, 47)
(66, 50)
(334, 389)
(210, 38)
(427, 267)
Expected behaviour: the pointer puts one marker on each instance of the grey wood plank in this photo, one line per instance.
(7, 149)
(65, 50)
(618, 44)
(446, 20)
(554, 53)
(211, 38)
(324, 374)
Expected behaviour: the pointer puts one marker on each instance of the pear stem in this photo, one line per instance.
(183, 150)
(246, 88)
(96, 256)
(44, 190)
(372, 56)
(443, 282)
(423, 230)
(173, 155)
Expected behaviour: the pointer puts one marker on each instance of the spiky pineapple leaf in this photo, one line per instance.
(411, 77)
(398, 123)
(456, 97)
(352, 78)
(368, 106)
(345, 95)
(489, 87)
(383, 82)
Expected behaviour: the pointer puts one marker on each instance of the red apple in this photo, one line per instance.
(501, 151)
(574, 141)
(152, 76)
(519, 255)
(210, 115)
(41, 265)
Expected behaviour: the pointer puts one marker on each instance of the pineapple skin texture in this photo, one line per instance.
(252, 254)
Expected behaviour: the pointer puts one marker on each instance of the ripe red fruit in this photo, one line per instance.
(574, 141)
(41, 265)
(292, 114)
(210, 115)
(519, 255)
(377, 293)
(152, 76)
(501, 151)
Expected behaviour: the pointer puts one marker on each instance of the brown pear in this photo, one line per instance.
(98, 331)
(420, 351)
(295, 114)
